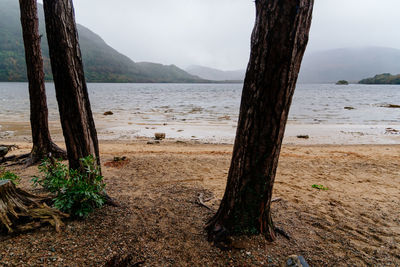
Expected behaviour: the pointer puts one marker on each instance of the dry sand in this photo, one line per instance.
(354, 223)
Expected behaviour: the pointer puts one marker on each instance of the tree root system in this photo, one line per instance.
(21, 211)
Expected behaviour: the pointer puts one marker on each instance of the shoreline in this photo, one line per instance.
(217, 132)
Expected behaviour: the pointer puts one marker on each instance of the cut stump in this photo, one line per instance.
(22, 211)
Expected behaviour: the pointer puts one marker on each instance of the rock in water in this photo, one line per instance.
(159, 136)
(303, 136)
(107, 113)
(295, 261)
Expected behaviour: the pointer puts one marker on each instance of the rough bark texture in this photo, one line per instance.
(71, 91)
(42, 143)
(21, 211)
(278, 43)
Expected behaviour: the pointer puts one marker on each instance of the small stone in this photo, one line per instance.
(159, 136)
(295, 261)
(107, 113)
(3, 151)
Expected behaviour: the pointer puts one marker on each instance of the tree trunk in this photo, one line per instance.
(71, 91)
(278, 43)
(42, 143)
(21, 211)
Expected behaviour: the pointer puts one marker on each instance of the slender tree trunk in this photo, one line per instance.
(72, 96)
(278, 43)
(42, 143)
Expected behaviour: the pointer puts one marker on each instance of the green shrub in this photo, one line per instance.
(77, 192)
(7, 175)
(319, 186)
(55, 174)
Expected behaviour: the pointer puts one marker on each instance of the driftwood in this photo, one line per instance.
(22, 211)
(201, 201)
(276, 199)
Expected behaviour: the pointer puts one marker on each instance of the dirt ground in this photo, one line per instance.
(356, 222)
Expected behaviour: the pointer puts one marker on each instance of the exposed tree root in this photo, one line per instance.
(110, 201)
(16, 160)
(220, 237)
(282, 232)
(22, 211)
(50, 151)
(35, 156)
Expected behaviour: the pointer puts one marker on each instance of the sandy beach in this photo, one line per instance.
(353, 223)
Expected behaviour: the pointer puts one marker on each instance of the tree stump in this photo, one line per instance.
(22, 211)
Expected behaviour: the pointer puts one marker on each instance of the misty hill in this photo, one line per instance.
(351, 64)
(215, 74)
(330, 66)
(102, 63)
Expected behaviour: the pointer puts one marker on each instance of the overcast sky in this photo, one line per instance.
(216, 33)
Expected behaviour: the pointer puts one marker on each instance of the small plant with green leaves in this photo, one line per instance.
(7, 175)
(54, 175)
(78, 192)
(319, 187)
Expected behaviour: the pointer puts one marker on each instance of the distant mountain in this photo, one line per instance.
(102, 63)
(215, 74)
(351, 64)
(330, 66)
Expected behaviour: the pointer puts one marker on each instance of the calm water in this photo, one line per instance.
(192, 103)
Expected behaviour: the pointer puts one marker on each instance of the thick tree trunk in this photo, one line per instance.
(278, 43)
(42, 143)
(71, 91)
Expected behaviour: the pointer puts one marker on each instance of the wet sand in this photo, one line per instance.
(219, 132)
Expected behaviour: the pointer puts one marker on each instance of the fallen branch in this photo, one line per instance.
(276, 199)
(282, 233)
(200, 201)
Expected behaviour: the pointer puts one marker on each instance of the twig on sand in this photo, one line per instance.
(277, 199)
(200, 201)
(282, 232)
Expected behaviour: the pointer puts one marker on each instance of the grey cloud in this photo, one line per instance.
(216, 33)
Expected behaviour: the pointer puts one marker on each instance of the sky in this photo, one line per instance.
(216, 33)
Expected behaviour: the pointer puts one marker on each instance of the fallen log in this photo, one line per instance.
(22, 211)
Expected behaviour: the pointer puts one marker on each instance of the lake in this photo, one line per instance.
(328, 113)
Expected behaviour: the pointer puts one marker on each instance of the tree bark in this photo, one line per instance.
(42, 143)
(278, 43)
(71, 91)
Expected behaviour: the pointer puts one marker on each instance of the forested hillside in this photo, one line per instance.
(385, 78)
(102, 62)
